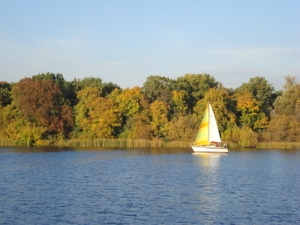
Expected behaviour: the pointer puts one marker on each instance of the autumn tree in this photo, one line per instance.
(104, 118)
(289, 102)
(182, 128)
(241, 137)
(179, 99)
(24, 131)
(128, 101)
(137, 127)
(67, 89)
(133, 106)
(8, 115)
(85, 98)
(95, 116)
(250, 115)
(278, 129)
(285, 120)
(46, 106)
(40, 103)
(159, 119)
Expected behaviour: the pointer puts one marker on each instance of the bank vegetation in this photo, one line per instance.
(47, 110)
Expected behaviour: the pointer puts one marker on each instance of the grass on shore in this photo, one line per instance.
(130, 143)
(113, 143)
(278, 145)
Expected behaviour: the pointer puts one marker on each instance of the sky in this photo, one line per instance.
(126, 41)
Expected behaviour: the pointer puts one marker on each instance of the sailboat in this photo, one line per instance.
(208, 137)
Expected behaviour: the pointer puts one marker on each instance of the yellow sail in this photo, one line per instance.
(202, 134)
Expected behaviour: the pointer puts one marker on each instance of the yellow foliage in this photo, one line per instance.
(246, 102)
(159, 118)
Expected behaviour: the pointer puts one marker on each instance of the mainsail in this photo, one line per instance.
(214, 135)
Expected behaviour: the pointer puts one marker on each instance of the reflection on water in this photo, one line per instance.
(127, 151)
(209, 159)
(36, 149)
(210, 184)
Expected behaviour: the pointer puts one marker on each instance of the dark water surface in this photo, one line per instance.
(143, 186)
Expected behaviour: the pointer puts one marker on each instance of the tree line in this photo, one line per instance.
(47, 107)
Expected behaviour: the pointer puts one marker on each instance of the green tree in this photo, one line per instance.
(107, 88)
(104, 88)
(5, 94)
(80, 84)
(157, 86)
(262, 91)
(195, 85)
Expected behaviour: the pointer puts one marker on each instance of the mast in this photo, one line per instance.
(208, 128)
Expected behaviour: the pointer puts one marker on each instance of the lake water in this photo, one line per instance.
(148, 186)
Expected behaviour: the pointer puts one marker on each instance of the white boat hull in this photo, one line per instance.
(209, 149)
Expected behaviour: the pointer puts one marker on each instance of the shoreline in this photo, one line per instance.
(131, 143)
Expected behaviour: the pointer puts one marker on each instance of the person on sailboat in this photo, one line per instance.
(216, 144)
